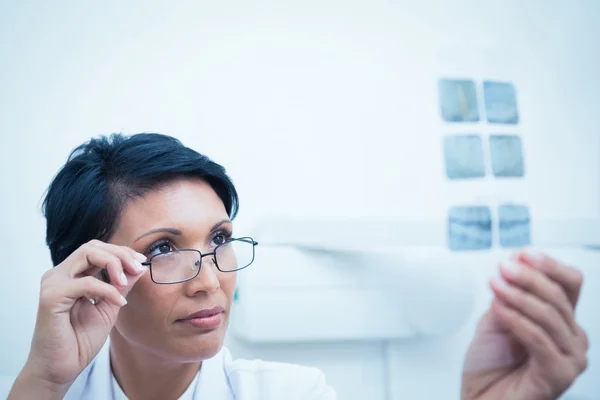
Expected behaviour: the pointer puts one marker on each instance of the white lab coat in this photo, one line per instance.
(220, 378)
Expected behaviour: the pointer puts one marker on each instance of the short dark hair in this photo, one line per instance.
(86, 197)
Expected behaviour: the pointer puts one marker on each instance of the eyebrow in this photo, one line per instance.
(177, 232)
(219, 224)
(172, 231)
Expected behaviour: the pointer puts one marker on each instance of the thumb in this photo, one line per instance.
(489, 323)
(132, 279)
(493, 346)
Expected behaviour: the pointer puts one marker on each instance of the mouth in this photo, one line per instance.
(207, 319)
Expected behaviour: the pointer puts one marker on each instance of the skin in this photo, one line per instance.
(153, 355)
(147, 332)
(527, 346)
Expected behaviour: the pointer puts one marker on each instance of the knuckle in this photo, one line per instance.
(568, 375)
(47, 276)
(115, 262)
(584, 338)
(537, 336)
(126, 249)
(577, 277)
(123, 252)
(582, 363)
(87, 249)
(88, 283)
(47, 286)
(550, 314)
(94, 242)
(562, 374)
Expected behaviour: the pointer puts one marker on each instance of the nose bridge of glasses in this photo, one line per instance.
(188, 259)
(211, 256)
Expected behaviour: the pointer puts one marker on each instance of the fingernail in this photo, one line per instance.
(140, 257)
(501, 283)
(123, 301)
(512, 269)
(534, 256)
(138, 266)
(123, 278)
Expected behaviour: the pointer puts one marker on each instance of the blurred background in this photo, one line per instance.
(388, 154)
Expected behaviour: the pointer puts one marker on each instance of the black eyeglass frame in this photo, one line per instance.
(212, 253)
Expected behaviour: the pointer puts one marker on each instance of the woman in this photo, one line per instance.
(137, 305)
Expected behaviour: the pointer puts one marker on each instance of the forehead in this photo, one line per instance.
(186, 204)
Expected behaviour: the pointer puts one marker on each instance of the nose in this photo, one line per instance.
(207, 280)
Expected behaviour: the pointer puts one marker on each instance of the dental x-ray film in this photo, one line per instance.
(506, 152)
(458, 100)
(463, 156)
(514, 225)
(500, 100)
(469, 228)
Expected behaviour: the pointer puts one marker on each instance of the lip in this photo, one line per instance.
(209, 318)
(207, 312)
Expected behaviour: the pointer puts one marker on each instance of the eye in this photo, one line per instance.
(160, 247)
(220, 238)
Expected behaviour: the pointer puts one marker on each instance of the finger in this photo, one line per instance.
(538, 311)
(108, 261)
(130, 259)
(540, 285)
(531, 336)
(95, 255)
(583, 345)
(133, 279)
(583, 339)
(92, 288)
(568, 277)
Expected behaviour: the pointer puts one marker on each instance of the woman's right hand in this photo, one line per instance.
(70, 330)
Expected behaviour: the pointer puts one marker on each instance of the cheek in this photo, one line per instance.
(228, 281)
(149, 303)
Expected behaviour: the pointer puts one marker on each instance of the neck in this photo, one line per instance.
(143, 374)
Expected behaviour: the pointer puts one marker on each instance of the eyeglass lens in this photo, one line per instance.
(182, 265)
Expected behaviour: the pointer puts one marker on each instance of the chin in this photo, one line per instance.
(201, 347)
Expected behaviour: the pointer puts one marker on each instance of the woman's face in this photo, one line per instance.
(184, 214)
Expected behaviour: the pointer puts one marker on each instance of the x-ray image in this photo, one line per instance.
(513, 225)
(506, 152)
(464, 157)
(458, 100)
(469, 228)
(500, 102)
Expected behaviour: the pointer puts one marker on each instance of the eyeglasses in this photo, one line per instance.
(183, 265)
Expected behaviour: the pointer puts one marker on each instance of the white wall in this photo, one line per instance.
(317, 109)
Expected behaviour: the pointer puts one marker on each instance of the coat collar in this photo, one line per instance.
(95, 381)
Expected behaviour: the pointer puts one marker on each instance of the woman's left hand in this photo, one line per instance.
(528, 345)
